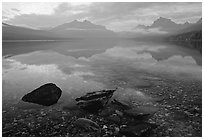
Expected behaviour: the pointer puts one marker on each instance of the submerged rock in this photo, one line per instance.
(94, 101)
(107, 111)
(46, 95)
(121, 104)
(86, 124)
(141, 112)
(142, 129)
(91, 106)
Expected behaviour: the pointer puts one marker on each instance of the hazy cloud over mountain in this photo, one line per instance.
(115, 16)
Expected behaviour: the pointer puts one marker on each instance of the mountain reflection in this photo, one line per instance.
(125, 65)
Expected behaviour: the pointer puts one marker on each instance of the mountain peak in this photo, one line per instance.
(199, 21)
(163, 22)
(79, 25)
(86, 21)
(79, 22)
(4, 24)
(162, 19)
(75, 21)
(186, 23)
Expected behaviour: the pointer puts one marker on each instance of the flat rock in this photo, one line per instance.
(46, 95)
(91, 106)
(94, 101)
(121, 104)
(96, 94)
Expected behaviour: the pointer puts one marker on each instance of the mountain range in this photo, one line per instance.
(10, 32)
(74, 29)
(86, 29)
(77, 25)
(167, 25)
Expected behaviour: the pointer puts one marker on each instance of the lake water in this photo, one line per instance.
(79, 66)
(151, 74)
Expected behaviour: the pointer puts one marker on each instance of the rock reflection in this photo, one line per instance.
(127, 67)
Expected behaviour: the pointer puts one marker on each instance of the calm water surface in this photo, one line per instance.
(80, 66)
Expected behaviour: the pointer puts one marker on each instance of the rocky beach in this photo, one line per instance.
(174, 110)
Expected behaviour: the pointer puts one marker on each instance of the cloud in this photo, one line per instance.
(124, 65)
(143, 11)
(5, 17)
(150, 31)
(28, 76)
(136, 59)
(116, 16)
(63, 13)
(64, 7)
(15, 10)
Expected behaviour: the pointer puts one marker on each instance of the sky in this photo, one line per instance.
(117, 16)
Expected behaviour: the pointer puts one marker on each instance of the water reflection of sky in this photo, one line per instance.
(125, 65)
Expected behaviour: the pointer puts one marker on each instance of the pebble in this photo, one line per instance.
(56, 126)
(119, 113)
(116, 130)
(105, 127)
(42, 113)
(167, 114)
(170, 129)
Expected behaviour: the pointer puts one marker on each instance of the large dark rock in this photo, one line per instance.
(46, 95)
(95, 101)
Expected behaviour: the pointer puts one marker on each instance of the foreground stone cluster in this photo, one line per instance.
(99, 113)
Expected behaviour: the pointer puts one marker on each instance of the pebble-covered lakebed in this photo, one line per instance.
(179, 114)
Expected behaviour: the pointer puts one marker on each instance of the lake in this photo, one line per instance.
(80, 66)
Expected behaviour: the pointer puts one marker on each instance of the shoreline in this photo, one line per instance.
(180, 114)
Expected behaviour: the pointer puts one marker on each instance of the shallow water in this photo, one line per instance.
(79, 66)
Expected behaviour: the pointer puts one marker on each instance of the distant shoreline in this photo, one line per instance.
(31, 40)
